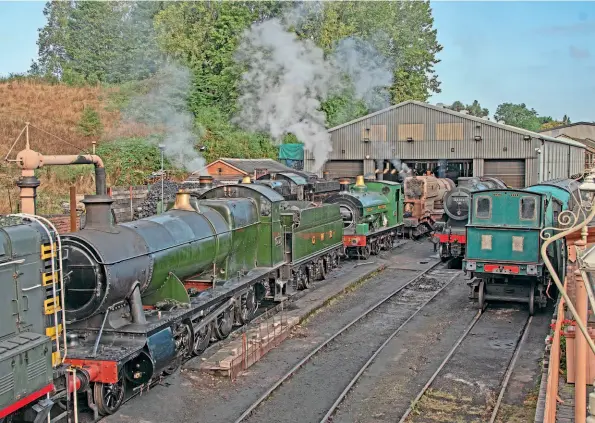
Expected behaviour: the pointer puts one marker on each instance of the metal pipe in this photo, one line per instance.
(579, 322)
(29, 160)
(73, 208)
(136, 307)
(554, 368)
(96, 346)
(580, 368)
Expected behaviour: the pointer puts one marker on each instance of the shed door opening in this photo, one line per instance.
(344, 168)
(512, 172)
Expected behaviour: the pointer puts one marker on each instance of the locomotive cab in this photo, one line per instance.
(503, 246)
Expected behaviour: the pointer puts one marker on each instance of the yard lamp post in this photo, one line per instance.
(162, 148)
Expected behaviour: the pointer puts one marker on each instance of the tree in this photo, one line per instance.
(401, 31)
(52, 54)
(518, 115)
(98, 41)
(474, 109)
(205, 35)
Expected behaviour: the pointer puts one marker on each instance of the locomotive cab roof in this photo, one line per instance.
(265, 191)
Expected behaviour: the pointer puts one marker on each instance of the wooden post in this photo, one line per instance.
(73, 208)
(131, 211)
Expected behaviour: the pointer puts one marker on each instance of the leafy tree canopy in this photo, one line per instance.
(474, 109)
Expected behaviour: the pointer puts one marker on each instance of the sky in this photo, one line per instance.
(538, 53)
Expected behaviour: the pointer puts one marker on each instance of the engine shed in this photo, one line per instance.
(426, 137)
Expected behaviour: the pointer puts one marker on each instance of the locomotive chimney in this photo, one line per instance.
(183, 201)
(326, 175)
(206, 181)
(344, 184)
(98, 212)
(379, 166)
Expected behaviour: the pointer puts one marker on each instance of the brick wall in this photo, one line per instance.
(124, 197)
(62, 222)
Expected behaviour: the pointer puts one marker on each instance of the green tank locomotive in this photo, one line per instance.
(372, 213)
(504, 244)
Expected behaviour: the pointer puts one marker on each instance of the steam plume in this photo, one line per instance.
(367, 69)
(281, 89)
(165, 106)
(287, 78)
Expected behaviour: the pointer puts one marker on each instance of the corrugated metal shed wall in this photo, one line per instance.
(441, 141)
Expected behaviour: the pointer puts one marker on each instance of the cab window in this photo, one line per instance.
(528, 207)
(484, 207)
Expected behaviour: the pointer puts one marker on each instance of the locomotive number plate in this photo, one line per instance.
(499, 268)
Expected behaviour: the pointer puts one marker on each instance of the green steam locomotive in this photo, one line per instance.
(138, 298)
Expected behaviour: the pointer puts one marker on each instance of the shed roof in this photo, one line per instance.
(465, 116)
(249, 166)
(569, 125)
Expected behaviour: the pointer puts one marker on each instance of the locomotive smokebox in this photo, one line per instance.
(205, 182)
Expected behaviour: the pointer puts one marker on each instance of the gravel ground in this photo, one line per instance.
(467, 387)
(325, 376)
(520, 399)
(191, 396)
(387, 388)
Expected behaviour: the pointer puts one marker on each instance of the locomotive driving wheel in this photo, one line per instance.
(224, 324)
(109, 396)
(364, 252)
(324, 268)
(375, 247)
(184, 347)
(532, 299)
(202, 338)
(481, 295)
(248, 307)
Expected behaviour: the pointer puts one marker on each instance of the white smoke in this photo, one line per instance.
(287, 78)
(281, 89)
(367, 69)
(165, 107)
(402, 168)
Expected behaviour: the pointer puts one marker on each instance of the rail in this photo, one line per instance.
(509, 368)
(322, 345)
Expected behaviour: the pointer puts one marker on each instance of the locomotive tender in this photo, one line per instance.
(504, 241)
(450, 234)
(372, 213)
(141, 296)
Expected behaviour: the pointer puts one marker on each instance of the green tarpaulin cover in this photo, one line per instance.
(291, 152)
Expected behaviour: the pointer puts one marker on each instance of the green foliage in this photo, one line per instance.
(92, 42)
(130, 160)
(222, 139)
(401, 31)
(474, 109)
(90, 123)
(205, 35)
(518, 115)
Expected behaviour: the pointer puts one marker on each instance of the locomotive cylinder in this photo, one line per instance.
(105, 264)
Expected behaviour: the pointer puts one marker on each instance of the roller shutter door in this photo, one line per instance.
(512, 172)
(344, 168)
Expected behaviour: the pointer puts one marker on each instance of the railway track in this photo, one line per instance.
(364, 338)
(467, 413)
